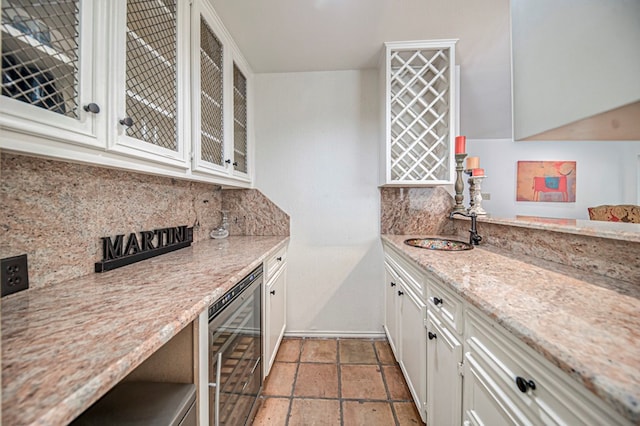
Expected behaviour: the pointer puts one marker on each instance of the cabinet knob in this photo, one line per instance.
(437, 301)
(400, 293)
(432, 335)
(227, 161)
(392, 284)
(235, 164)
(92, 108)
(273, 292)
(279, 258)
(524, 385)
(127, 121)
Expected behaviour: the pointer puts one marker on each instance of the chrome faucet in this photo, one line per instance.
(474, 238)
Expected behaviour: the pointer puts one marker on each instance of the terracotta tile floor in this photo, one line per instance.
(342, 382)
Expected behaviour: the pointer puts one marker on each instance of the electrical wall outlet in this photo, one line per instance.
(486, 196)
(14, 274)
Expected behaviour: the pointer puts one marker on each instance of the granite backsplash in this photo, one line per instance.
(425, 211)
(56, 212)
(419, 211)
(604, 256)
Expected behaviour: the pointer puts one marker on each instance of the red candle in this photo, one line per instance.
(477, 172)
(461, 142)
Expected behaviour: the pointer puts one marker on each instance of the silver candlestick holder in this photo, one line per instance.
(475, 195)
(459, 185)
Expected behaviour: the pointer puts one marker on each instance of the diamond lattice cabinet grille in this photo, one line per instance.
(151, 72)
(40, 63)
(419, 106)
(211, 96)
(239, 119)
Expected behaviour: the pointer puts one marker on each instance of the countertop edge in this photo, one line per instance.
(95, 389)
(89, 392)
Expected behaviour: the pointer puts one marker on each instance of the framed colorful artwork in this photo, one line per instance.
(546, 181)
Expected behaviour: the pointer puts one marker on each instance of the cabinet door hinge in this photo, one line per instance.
(461, 368)
(425, 323)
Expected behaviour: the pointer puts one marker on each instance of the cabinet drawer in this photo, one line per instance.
(274, 262)
(550, 396)
(409, 275)
(444, 303)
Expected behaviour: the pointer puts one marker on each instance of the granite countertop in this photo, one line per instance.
(586, 324)
(66, 345)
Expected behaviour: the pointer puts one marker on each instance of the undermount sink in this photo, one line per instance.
(438, 244)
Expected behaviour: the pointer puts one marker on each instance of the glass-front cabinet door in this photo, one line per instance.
(220, 107)
(151, 87)
(52, 57)
(240, 122)
(208, 70)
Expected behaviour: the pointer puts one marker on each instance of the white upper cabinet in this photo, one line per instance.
(208, 119)
(156, 86)
(52, 59)
(151, 85)
(220, 119)
(240, 119)
(419, 117)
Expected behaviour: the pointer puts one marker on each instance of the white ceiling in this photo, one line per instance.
(326, 35)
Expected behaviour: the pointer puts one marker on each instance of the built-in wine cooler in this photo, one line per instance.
(235, 361)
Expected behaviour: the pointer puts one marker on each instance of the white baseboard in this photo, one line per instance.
(335, 334)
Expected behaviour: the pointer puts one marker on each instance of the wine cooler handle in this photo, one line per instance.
(217, 406)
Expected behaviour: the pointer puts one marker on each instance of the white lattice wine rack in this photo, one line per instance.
(419, 98)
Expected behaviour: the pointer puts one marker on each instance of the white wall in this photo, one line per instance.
(607, 173)
(572, 59)
(328, 35)
(316, 156)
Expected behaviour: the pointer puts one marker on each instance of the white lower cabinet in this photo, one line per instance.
(484, 402)
(405, 313)
(444, 378)
(274, 306)
(506, 382)
(413, 346)
(462, 367)
(391, 309)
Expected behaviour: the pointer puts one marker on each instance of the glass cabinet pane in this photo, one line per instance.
(151, 72)
(40, 49)
(239, 120)
(211, 96)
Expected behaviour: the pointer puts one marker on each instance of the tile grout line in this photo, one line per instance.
(293, 385)
(386, 386)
